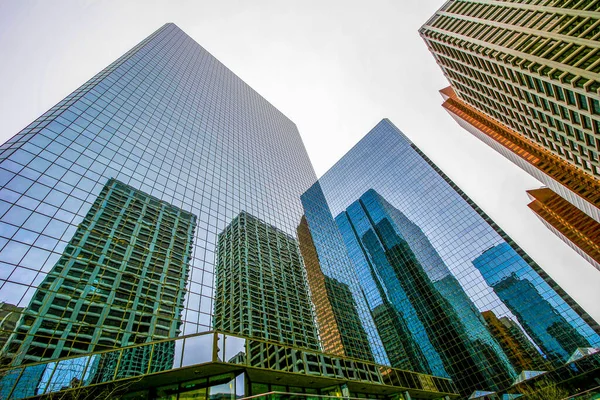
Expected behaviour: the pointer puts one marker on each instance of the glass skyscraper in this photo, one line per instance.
(122, 206)
(425, 266)
(170, 121)
(163, 233)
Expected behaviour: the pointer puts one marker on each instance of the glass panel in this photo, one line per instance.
(46, 378)
(235, 350)
(28, 382)
(313, 363)
(167, 392)
(103, 367)
(259, 388)
(68, 373)
(194, 390)
(221, 387)
(423, 279)
(8, 381)
(221, 345)
(240, 385)
(198, 350)
(135, 360)
(166, 355)
(334, 391)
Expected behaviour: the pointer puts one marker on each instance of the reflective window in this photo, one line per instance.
(392, 243)
(112, 206)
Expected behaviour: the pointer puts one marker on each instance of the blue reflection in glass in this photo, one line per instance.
(420, 249)
(547, 318)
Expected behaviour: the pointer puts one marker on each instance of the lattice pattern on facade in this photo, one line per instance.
(260, 287)
(532, 65)
(120, 281)
(547, 167)
(340, 329)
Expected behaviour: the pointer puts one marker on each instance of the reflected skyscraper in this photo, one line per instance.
(552, 327)
(340, 328)
(404, 241)
(120, 281)
(517, 346)
(442, 328)
(260, 287)
(171, 121)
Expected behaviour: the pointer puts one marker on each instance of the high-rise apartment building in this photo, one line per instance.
(119, 206)
(260, 286)
(425, 266)
(525, 79)
(121, 280)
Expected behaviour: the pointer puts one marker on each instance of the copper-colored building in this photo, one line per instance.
(525, 80)
(574, 227)
(572, 199)
(328, 328)
(340, 328)
(522, 354)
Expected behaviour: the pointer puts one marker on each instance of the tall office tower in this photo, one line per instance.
(525, 80)
(173, 124)
(404, 240)
(260, 288)
(114, 205)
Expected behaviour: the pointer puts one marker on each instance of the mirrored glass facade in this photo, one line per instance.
(120, 280)
(165, 217)
(112, 202)
(148, 245)
(438, 287)
(260, 286)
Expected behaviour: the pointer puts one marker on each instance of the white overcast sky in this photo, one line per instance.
(334, 67)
